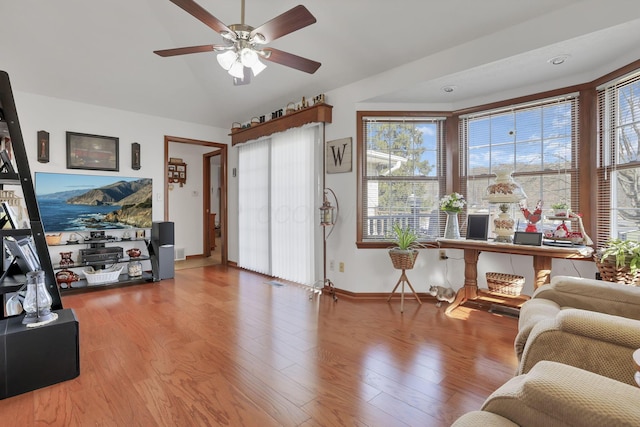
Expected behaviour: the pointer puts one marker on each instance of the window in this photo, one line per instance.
(401, 174)
(538, 142)
(619, 159)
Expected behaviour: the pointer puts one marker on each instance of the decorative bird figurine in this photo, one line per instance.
(531, 217)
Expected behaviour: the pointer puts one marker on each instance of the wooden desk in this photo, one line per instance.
(542, 256)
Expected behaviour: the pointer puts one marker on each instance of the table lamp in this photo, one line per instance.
(504, 192)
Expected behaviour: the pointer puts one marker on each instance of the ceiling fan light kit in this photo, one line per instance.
(243, 44)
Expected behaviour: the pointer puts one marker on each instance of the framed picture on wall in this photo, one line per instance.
(93, 152)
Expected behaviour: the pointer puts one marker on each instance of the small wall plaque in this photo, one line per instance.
(135, 156)
(43, 146)
(338, 155)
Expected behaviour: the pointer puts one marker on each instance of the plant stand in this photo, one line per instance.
(403, 260)
(403, 279)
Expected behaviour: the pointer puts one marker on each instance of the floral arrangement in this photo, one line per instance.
(453, 202)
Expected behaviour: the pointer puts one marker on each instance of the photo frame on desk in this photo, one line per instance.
(477, 226)
(524, 238)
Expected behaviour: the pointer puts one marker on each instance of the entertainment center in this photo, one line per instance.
(102, 252)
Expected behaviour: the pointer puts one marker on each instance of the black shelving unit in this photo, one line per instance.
(21, 176)
(123, 280)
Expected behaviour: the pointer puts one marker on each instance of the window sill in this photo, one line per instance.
(388, 245)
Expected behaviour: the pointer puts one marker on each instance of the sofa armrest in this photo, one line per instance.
(532, 312)
(592, 341)
(553, 394)
(593, 295)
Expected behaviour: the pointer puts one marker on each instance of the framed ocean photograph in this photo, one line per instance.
(78, 202)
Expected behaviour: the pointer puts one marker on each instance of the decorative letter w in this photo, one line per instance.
(338, 155)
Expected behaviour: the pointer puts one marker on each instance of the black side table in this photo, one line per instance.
(32, 358)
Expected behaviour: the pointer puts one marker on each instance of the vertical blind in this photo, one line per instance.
(619, 159)
(253, 206)
(277, 194)
(293, 222)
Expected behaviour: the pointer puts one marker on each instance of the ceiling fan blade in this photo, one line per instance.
(291, 60)
(202, 15)
(185, 50)
(288, 22)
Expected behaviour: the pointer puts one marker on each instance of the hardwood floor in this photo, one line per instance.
(219, 346)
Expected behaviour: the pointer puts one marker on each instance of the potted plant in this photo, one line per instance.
(560, 209)
(405, 250)
(619, 261)
(452, 204)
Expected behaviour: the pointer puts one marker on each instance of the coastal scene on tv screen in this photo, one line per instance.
(76, 202)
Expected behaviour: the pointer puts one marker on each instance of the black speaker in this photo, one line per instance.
(162, 255)
(162, 233)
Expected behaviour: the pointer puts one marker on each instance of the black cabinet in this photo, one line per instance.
(31, 358)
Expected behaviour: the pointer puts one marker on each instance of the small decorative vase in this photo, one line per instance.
(452, 229)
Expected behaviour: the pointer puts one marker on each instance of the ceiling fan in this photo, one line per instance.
(242, 45)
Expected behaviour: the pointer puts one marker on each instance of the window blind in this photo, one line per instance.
(618, 161)
(402, 175)
(537, 141)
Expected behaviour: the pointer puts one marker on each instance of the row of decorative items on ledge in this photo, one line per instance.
(291, 107)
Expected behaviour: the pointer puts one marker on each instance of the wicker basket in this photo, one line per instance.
(108, 275)
(53, 239)
(506, 284)
(403, 260)
(610, 273)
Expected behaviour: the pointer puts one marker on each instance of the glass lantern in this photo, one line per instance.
(37, 301)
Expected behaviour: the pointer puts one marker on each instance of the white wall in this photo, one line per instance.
(57, 116)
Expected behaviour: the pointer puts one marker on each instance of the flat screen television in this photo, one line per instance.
(79, 202)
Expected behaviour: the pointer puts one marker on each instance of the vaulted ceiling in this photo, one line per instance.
(387, 53)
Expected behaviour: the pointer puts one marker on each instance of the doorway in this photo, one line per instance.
(219, 153)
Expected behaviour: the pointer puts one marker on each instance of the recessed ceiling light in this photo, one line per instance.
(449, 89)
(559, 59)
